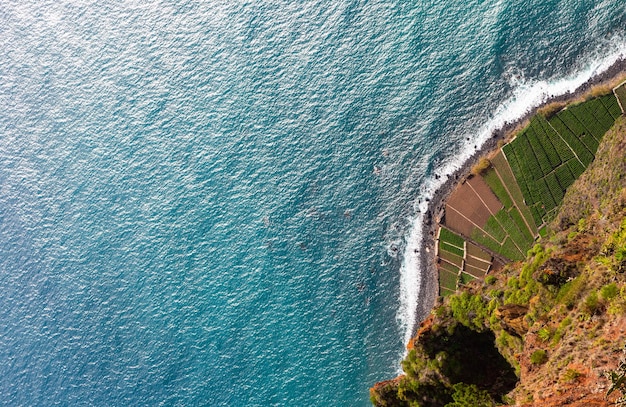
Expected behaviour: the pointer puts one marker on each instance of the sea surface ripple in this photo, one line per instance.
(217, 203)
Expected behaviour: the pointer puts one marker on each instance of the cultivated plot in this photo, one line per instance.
(496, 216)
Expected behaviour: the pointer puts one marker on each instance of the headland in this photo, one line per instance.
(530, 331)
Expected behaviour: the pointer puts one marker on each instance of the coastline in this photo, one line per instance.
(429, 287)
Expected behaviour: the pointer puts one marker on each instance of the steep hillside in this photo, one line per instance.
(543, 332)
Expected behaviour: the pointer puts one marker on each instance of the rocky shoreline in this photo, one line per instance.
(429, 287)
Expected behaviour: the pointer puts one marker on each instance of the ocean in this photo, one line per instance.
(218, 203)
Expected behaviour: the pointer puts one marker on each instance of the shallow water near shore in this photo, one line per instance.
(219, 203)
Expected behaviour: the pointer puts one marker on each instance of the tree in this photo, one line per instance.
(468, 395)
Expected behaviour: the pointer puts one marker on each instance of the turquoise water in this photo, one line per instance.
(218, 203)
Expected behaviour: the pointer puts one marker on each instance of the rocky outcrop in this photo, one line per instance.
(385, 394)
(512, 318)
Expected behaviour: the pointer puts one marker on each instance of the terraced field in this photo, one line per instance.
(549, 155)
(499, 213)
(458, 261)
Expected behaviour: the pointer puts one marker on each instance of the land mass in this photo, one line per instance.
(527, 250)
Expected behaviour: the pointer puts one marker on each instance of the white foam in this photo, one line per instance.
(526, 96)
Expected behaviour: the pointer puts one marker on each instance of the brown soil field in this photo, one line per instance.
(476, 272)
(478, 263)
(475, 251)
(451, 258)
(465, 201)
(457, 222)
(485, 194)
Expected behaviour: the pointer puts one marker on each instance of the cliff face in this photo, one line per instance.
(543, 332)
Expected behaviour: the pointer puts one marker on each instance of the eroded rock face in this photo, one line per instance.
(445, 354)
(512, 318)
(556, 271)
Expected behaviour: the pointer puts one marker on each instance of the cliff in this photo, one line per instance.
(546, 331)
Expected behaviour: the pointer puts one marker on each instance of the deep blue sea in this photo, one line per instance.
(217, 203)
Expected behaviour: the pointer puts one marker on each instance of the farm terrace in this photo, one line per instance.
(494, 217)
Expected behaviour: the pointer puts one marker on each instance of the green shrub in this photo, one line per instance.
(470, 310)
(412, 365)
(481, 166)
(571, 375)
(568, 294)
(618, 304)
(561, 330)
(591, 304)
(609, 291)
(513, 283)
(618, 382)
(539, 357)
(544, 334)
(490, 279)
(466, 395)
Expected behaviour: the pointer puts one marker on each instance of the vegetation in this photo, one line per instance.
(451, 238)
(480, 166)
(551, 319)
(618, 382)
(549, 154)
(469, 395)
(539, 357)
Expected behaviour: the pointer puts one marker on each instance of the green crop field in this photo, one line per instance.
(493, 181)
(521, 223)
(564, 176)
(579, 149)
(520, 239)
(589, 122)
(597, 110)
(446, 235)
(447, 279)
(546, 135)
(549, 155)
(481, 238)
(611, 105)
(466, 278)
(443, 246)
(537, 214)
(529, 176)
(576, 168)
(444, 292)
(538, 152)
(510, 251)
(501, 165)
(555, 188)
(494, 229)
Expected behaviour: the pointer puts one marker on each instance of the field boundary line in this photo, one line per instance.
(566, 143)
(475, 225)
(481, 199)
(530, 229)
